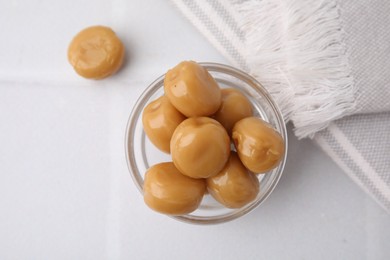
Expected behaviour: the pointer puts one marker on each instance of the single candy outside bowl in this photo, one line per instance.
(141, 153)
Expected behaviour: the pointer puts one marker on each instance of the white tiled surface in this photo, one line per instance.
(65, 191)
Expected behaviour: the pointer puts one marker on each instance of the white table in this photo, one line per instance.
(65, 191)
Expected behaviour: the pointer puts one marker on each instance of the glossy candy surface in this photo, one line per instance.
(168, 191)
(96, 52)
(259, 146)
(200, 147)
(234, 186)
(234, 107)
(160, 120)
(192, 90)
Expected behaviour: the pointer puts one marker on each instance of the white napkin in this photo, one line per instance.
(325, 63)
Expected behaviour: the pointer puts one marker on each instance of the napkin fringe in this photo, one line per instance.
(296, 50)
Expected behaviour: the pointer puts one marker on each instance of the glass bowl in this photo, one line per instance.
(141, 153)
